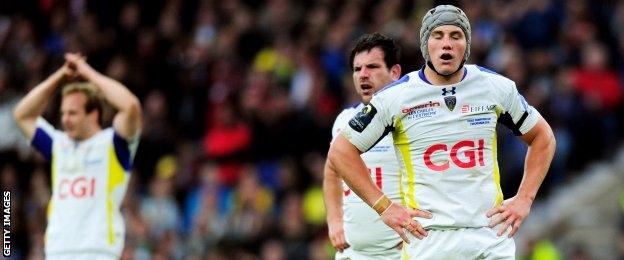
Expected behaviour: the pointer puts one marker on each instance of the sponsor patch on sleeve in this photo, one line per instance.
(361, 120)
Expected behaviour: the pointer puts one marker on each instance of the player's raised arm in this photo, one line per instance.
(127, 121)
(34, 103)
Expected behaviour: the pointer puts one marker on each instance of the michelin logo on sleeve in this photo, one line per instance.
(361, 120)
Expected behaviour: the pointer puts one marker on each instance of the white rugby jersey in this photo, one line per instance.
(89, 181)
(364, 229)
(445, 140)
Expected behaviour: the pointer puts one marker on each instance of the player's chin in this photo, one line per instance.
(447, 68)
(71, 133)
(366, 97)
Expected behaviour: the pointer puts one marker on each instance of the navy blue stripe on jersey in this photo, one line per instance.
(42, 141)
(421, 74)
(486, 70)
(122, 151)
(507, 121)
(396, 82)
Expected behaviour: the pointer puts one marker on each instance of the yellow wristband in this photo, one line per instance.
(382, 204)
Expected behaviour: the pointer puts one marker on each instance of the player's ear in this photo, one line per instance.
(94, 115)
(395, 71)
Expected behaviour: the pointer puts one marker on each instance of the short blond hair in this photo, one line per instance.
(94, 99)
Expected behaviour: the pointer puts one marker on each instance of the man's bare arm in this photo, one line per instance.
(127, 121)
(34, 103)
(346, 160)
(541, 142)
(332, 193)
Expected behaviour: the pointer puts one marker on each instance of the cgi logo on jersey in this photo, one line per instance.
(77, 188)
(462, 154)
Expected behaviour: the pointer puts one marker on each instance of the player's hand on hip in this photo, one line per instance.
(511, 213)
(337, 235)
(400, 219)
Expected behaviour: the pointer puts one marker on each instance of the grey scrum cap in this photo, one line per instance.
(443, 15)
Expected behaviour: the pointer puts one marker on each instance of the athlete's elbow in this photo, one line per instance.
(20, 114)
(17, 114)
(547, 143)
(327, 167)
(135, 104)
(552, 143)
(546, 138)
(336, 155)
(332, 156)
(133, 107)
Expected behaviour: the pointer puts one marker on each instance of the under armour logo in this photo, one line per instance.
(444, 91)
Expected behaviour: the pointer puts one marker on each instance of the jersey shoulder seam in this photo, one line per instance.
(399, 82)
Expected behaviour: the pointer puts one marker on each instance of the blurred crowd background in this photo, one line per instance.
(239, 97)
